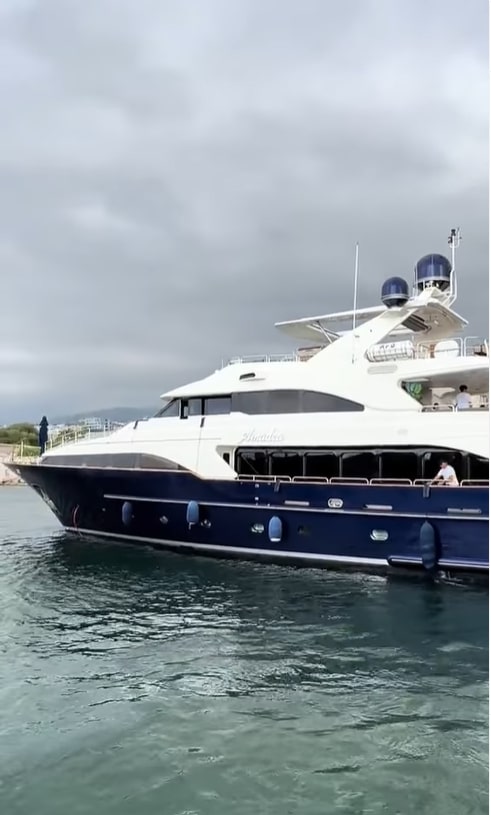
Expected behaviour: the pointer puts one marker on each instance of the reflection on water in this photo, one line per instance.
(135, 681)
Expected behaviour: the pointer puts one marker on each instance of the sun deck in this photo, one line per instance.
(453, 347)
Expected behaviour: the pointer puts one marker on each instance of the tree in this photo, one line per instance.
(15, 433)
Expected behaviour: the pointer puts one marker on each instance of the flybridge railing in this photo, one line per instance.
(23, 451)
(436, 408)
(68, 436)
(253, 358)
(471, 346)
(75, 434)
(301, 355)
(457, 347)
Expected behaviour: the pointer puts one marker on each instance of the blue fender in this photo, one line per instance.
(126, 513)
(192, 513)
(428, 545)
(275, 529)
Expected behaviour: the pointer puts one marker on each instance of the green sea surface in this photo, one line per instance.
(134, 682)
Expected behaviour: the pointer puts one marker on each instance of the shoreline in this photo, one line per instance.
(7, 477)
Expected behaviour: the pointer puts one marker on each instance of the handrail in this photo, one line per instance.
(452, 409)
(264, 478)
(382, 481)
(23, 459)
(438, 408)
(425, 349)
(305, 479)
(76, 434)
(481, 343)
(312, 479)
(256, 358)
(346, 480)
(373, 482)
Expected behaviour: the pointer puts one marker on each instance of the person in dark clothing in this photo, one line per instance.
(43, 434)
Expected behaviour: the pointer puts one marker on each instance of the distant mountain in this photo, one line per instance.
(113, 414)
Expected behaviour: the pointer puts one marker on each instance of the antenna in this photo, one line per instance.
(355, 284)
(355, 297)
(454, 240)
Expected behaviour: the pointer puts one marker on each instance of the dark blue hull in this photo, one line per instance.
(331, 525)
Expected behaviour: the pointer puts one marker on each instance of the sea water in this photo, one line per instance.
(135, 682)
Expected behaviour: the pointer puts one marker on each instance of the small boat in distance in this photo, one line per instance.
(324, 457)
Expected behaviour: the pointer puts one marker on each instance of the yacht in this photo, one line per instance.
(324, 457)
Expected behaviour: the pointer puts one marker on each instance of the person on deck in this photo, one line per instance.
(43, 434)
(446, 475)
(463, 401)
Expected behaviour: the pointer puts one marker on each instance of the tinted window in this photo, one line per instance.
(252, 462)
(478, 468)
(322, 464)
(401, 464)
(195, 407)
(169, 409)
(291, 401)
(284, 402)
(287, 463)
(359, 465)
(217, 405)
(313, 402)
(249, 402)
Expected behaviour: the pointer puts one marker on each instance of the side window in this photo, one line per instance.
(284, 462)
(217, 405)
(358, 464)
(313, 402)
(401, 464)
(252, 462)
(283, 402)
(254, 402)
(291, 401)
(322, 464)
(478, 468)
(169, 409)
(184, 409)
(195, 407)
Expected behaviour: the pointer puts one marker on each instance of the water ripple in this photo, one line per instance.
(132, 681)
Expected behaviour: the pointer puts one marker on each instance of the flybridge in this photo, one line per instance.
(427, 310)
(417, 325)
(424, 314)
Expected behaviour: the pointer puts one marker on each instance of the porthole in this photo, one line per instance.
(379, 535)
(258, 529)
(335, 503)
(303, 530)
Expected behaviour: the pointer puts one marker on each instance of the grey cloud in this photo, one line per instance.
(174, 178)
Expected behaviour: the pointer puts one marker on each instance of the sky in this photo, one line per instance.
(177, 177)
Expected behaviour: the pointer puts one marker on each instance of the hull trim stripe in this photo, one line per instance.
(236, 550)
(288, 508)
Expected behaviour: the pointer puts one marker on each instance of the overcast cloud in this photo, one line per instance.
(177, 176)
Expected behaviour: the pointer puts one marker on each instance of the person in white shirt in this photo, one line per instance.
(463, 401)
(446, 475)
